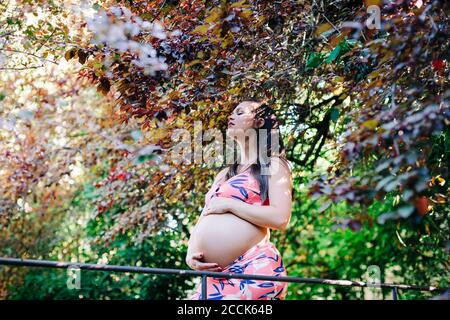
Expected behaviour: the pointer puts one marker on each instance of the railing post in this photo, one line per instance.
(394, 293)
(204, 287)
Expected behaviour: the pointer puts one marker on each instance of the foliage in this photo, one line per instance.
(365, 120)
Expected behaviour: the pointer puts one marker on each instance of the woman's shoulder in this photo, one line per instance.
(220, 176)
(281, 160)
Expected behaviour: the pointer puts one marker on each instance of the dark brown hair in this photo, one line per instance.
(270, 126)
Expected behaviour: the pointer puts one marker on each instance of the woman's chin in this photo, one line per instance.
(232, 132)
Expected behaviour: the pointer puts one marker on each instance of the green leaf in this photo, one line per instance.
(314, 60)
(334, 114)
(143, 158)
(333, 54)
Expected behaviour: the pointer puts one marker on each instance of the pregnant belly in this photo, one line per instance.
(224, 237)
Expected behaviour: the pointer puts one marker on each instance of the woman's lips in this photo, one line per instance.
(230, 123)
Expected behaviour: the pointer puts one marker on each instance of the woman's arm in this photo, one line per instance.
(275, 216)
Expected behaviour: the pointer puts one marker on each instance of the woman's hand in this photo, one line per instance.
(193, 260)
(217, 205)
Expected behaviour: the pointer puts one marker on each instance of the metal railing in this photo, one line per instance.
(205, 274)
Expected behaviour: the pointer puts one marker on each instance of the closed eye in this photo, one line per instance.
(239, 111)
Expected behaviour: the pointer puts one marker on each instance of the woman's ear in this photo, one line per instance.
(259, 122)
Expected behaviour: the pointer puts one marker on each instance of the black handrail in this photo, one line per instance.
(206, 274)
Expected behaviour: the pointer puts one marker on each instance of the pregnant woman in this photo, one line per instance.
(245, 201)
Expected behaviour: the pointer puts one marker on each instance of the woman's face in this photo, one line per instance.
(242, 118)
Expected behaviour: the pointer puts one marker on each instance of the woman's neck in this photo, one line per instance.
(248, 153)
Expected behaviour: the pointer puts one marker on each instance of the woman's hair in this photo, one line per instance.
(272, 131)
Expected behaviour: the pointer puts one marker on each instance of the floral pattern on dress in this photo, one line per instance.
(243, 187)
